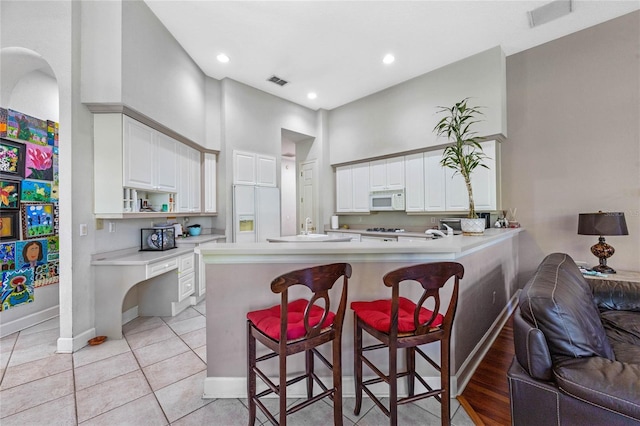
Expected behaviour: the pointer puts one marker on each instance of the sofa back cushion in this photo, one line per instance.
(558, 301)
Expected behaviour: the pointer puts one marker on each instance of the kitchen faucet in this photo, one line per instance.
(307, 222)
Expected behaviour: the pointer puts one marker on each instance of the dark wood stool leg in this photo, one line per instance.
(357, 364)
(282, 391)
(251, 379)
(410, 354)
(309, 371)
(337, 381)
(444, 382)
(393, 383)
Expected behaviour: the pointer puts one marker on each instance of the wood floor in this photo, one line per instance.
(487, 393)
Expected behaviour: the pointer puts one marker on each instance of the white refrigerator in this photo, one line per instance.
(256, 213)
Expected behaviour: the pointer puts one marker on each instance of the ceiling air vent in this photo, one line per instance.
(277, 80)
(549, 12)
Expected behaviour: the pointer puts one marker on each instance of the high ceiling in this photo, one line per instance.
(335, 48)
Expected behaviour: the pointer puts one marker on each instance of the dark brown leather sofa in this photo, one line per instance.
(577, 345)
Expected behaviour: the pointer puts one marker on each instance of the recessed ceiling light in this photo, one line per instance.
(312, 95)
(388, 59)
(222, 58)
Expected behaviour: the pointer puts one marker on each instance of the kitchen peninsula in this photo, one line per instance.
(239, 277)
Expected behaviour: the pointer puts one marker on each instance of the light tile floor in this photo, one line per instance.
(154, 376)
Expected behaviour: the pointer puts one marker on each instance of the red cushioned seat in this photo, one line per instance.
(378, 314)
(268, 320)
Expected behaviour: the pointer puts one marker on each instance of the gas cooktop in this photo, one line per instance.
(385, 230)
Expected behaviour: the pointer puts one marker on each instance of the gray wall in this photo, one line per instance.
(402, 118)
(574, 141)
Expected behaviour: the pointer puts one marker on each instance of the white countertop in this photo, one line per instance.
(312, 238)
(442, 248)
(199, 239)
(134, 257)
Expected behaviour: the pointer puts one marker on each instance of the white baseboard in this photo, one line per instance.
(7, 328)
(130, 315)
(477, 355)
(68, 345)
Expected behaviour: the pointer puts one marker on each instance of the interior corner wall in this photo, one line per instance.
(574, 141)
(401, 118)
(252, 120)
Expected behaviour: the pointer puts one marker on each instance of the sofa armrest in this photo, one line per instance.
(612, 385)
(615, 295)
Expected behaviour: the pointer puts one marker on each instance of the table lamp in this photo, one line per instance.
(602, 223)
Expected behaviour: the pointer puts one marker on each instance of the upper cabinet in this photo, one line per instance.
(210, 183)
(387, 174)
(138, 166)
(150, 160)
(250, 168)
(352, 188)
(433, 188)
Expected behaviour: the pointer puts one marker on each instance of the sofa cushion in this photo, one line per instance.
(612, 385)
(623, 331)
(558, 301)
(615, 295)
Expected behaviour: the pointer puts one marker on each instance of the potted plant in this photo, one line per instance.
(464, 154)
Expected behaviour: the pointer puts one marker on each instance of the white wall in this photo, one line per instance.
(402, 118)
(35, 94)
(288, 200)
(574, 141)
(130, 58)
(252, 120)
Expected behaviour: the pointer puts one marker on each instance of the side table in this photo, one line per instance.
(622, 276)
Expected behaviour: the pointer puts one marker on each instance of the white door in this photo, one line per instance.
(344, 189)
(414, 190)
(434, 182)
(139, 155)
(195, 173)
(244, 168)
(167, 163)
(360, 187)
(307, 197)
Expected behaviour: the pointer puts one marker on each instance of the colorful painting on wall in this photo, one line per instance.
(37, 220)
(9, 194)
(8, 256)
(9, 221)
(17, 288)
(12, 158)
(24, 127)
(46, 274)
(32, 253)
(36, 191)
(3, 122)
(39, 162)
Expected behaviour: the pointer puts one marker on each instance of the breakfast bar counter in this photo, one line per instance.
(239, 277)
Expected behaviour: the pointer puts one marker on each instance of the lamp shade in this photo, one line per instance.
(602, 223)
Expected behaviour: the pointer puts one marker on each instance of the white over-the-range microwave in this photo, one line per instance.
(386, 201)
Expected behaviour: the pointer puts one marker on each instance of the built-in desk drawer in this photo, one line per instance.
(186, 286)
(157, 268)
(187, 263)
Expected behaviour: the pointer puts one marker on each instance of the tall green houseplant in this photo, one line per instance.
(465, 152)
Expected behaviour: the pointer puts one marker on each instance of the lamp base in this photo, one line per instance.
(603, 269)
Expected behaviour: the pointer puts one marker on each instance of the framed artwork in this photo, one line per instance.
(8, 256)
(39, 162)
(36, 191)
(9, 194)
(12, 159)
(3, 122)
(9, 225)
(27, 128)
(17, 288)
(37, 220)
(31, 253)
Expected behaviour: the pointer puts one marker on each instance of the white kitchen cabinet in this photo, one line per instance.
(387, 174)
(250, 168)
(149, 158)
(186, 276)
(188, 193)
(434, 182)
(352, 188)
(425, 182)
(415, 188)
(210, 183)
(483, 183)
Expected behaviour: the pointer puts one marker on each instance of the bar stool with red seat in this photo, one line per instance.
(400, 323)
(304, 325)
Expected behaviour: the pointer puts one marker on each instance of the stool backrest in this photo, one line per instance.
(319, 279)
(432, 277)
